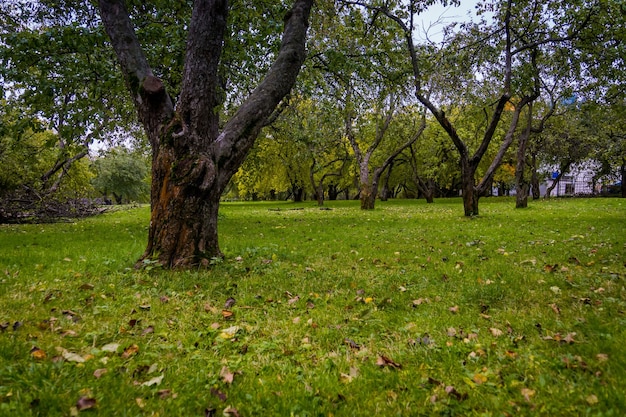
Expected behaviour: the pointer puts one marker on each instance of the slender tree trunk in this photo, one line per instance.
(320, 193)
(555, 182)
(468, 190)
(384, 193)
(333, 192)
(534, 178)
(521, 183)
(623, 177)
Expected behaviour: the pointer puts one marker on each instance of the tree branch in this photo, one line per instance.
(241, 130)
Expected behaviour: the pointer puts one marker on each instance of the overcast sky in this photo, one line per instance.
(437, 16)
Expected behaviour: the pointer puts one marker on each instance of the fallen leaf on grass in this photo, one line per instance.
(72, 357)
(230, 411)
(496, 332)
(230, 332)
(527, 393)
(592, 399)
(99, 372)
(347, 378)
(602, 357)
(147, 330)
(140, 402)
(227, 375)
(154, 381)
(130, 351)
(569, 338)
(229, 303)
(383, 361)
(555, 308)
(217, 393)
(165, 393)
(110, 347)
(479, 379)
(420, 301)
(351, 343)
(226, 314)
(37, 353)
(454, 309)
(85, 403)
(450, 390)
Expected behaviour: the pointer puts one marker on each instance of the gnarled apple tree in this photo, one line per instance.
(194, 154)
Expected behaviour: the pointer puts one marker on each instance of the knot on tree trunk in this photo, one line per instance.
(153, 87)
(199, 172)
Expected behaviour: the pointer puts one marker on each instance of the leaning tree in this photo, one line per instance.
(194, 152)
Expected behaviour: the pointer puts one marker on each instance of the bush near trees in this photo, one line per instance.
(123, 175)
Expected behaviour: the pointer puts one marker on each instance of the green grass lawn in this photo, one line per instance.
(410, 309)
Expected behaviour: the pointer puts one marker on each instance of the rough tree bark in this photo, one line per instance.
(192, 158)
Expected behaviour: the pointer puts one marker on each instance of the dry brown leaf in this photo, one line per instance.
(527, 393)
(227, 375)
(226, 314)
(383, 360)
(569, 338)
(164, 393)
(454, 309)
(37, 353)
(85, 403)
(479, 379)
(99, 372)
(230, 411)
(130, 351)
(496, 332)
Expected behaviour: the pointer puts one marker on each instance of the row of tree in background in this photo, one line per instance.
(382, 106)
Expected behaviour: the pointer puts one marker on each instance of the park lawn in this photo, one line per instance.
(410, 309)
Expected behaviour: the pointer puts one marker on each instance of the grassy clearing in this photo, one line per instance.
(407, 310)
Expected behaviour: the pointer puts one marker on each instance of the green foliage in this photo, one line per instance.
(122, 173)
(410, 310)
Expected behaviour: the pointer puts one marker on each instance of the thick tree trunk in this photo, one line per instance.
(320, 194)
(367, 196)
(192, 159)
(468, 190)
